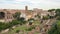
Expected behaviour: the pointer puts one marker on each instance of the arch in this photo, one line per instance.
(2, 15)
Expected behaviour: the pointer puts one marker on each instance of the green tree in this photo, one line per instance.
(45, 17)
(30, 28)
(17, 15)
(22, 20)
(31, 20)
(58, 12)
(55, 28)
(50, 10)
(17, 31)
(38, 16)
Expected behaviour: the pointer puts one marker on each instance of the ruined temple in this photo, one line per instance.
(6, 15)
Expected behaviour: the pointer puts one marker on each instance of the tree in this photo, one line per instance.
(55, 28)
(58, 12)
(30, 21)
(22, 20)
(15, 22)
(30, 28)
(45, 17)
(38, 16)
(17, 15)
(17, 31)
(50, 10)
(58, 18)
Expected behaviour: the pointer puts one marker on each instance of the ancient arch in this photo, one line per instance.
(5, 16)
(2, 15)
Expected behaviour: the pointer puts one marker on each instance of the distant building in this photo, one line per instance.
(6, 15)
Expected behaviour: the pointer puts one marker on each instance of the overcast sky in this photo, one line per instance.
(20, 4)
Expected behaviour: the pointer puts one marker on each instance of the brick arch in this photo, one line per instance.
(3, 12)
(7, 15)
(2, 15)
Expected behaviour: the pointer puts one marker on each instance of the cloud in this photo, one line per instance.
(44, 4)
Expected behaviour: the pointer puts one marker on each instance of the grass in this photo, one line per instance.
(58, 22)
(36, 22)
(23, 27)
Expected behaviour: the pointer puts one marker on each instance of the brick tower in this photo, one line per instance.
(26, 8)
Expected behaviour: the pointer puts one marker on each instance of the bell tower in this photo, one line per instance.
(26, 8)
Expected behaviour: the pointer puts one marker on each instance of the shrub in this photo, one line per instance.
(29, 29)
(45, 17)
(17, 31)
(10, 24)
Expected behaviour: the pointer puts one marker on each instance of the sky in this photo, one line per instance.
(20, 4)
